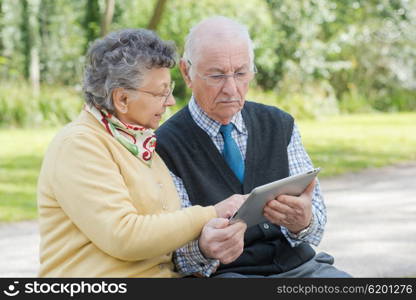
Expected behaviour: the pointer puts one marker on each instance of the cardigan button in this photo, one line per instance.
(266, 226)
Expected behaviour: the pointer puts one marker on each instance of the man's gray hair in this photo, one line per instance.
(120, 59)
(222, 27)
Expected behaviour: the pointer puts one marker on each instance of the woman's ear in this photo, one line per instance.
(185, 73)
(120, 101)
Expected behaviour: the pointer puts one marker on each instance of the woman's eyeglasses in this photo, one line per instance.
(161, 97)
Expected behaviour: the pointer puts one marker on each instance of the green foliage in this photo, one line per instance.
(377, 39)
(354, 102)
(1, 26)
(19, 107)
(314, 103)
(92, 21)
(348, 56)
(397, 100)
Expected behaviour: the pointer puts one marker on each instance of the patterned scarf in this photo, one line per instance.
(139, 140)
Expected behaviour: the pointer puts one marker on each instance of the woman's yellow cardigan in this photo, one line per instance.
(104, 213)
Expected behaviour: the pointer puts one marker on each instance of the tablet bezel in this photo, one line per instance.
(251, 212)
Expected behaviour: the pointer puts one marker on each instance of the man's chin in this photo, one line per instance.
(230, 105)
(225, 118)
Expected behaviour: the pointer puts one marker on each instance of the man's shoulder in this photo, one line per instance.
(177, 122)
(175, 119)
(267, 110)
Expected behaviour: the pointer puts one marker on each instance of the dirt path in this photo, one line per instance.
(19, 244)
(371, 229)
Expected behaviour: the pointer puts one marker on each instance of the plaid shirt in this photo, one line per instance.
(189, 259)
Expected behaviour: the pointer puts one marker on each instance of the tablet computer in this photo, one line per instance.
(251, 212)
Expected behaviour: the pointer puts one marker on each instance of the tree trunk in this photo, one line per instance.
(34, 70)
(47, 12)
(30, 41)
(25, 38)
(157, 15)
(107, 17)
(1, 28)
(92, 21)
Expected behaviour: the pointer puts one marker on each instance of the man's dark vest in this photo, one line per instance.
(189, 153)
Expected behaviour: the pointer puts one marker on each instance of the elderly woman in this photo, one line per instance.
(107, 204)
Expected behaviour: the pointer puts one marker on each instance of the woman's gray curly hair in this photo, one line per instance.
(120, 60)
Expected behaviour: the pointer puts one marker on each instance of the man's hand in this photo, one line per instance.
(294, 213)
(222, 241)
(227, 208)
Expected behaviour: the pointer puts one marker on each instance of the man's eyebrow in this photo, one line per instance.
(219, 70)
(242, 67)
(215, 69)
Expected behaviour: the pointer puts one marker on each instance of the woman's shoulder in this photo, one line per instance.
(84, 127)
(80, 134)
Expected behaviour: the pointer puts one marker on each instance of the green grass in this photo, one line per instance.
(21, 154)
(350, 143)
(338, 145)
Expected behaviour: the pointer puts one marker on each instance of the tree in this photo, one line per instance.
(107, 17)
(92, 22)
(1, 27)
(30, 42)
(25, 38)
(46, 13)
(157, 15)
(34, 68)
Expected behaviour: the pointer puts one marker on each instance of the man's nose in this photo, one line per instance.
(230, 86)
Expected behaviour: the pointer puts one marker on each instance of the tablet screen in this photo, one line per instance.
(251, 212)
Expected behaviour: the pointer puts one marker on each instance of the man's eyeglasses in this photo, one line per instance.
(163, 98)
(241, 77)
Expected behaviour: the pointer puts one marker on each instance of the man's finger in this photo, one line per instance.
(233, 254)
(309, 189)
(290, 201)
(217, 223)
(232, 248)
(227, 233)
(279, 207)
(274, 216)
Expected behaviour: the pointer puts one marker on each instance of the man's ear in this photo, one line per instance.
(120, 100)
(185, 73)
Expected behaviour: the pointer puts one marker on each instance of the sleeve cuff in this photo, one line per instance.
(189, 260)
(303, 236)
(207, 266)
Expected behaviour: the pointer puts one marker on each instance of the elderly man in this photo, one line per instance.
(219, 145)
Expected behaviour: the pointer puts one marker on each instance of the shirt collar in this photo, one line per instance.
(210, 126)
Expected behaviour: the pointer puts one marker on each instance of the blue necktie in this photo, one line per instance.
(231, 152)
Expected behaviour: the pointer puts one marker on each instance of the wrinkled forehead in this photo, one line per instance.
(223, 54)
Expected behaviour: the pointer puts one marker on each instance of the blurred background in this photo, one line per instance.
(345, 69)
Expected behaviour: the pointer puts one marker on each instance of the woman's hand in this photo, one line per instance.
(221, 240)
(227, 208)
